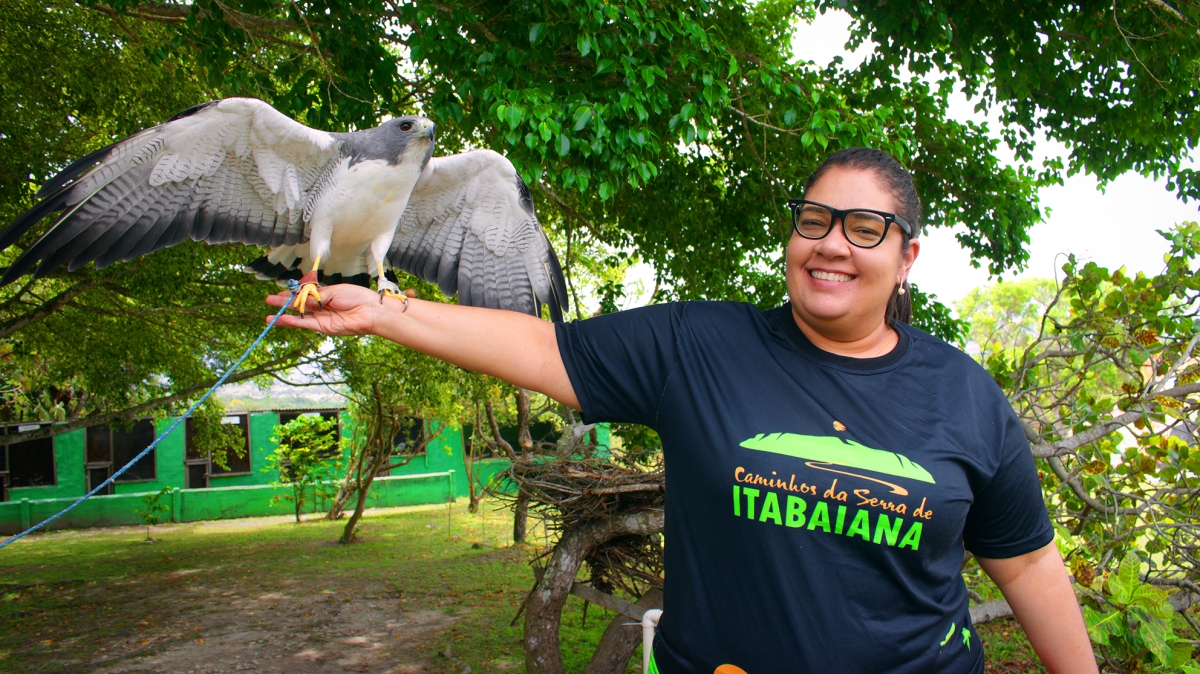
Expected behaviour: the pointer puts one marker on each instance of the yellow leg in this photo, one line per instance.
(308, 287)
(386, 287)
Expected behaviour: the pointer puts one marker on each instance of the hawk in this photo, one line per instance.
(343, 206)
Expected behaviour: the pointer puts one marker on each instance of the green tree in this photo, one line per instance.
(673, 132)
(209, 437)
(395, 394)
(145, 337)
(1006, 317)
(1105, 383)
(152, 509)
(1135, 623)
(306, 460)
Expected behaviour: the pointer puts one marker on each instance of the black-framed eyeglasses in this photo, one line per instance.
(863, 227)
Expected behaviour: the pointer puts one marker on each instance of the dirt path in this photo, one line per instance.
(428, 589)
(347, 629)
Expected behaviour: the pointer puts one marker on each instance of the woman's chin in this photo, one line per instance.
(824, 309)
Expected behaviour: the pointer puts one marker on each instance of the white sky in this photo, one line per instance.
(1113, 228)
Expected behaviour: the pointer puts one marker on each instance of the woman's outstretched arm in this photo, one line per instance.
(515, 347)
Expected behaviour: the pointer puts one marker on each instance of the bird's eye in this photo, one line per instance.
(406, 126)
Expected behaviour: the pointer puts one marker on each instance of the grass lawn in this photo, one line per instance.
(421, 593)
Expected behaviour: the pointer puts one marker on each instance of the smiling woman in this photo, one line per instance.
(802, 413)
(843, 283)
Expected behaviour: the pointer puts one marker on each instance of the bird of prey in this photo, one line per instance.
(344, 205)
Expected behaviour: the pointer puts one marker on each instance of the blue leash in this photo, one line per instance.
(294, 287)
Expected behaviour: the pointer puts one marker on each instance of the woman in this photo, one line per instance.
(826, 464)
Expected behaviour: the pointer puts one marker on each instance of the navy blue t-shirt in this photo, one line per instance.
(817, 506)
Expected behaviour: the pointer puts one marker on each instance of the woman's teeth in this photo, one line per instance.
(830, 276)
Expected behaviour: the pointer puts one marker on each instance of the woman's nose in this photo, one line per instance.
(834, 244)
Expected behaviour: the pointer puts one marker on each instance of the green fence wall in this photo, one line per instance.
(432, 477)
(191, 505)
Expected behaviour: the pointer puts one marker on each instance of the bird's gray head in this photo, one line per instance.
(407, 139)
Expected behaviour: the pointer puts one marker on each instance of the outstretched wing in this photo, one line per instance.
(229, 170)
(470, 228)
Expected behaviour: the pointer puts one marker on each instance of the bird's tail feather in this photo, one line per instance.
(266, 270)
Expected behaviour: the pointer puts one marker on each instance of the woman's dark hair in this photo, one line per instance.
(899, 181)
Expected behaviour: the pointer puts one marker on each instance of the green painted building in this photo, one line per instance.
(40, 477)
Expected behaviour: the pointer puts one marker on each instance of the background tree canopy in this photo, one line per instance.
(671, 131)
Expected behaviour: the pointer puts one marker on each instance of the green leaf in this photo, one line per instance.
(564, 145)
(535, 32)
(514, 117)
(1154, 634)
(1153, 600)
(1181, 654)
(1122, 584)
(1101, 626)
(605, 66)
(582, 117)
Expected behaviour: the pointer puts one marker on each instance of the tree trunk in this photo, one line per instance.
(471, 464)
(523, 437)
(298, 500)
(621, 639)
(378, 457)
(520, 519)
(543, 607)
(349, 486)
(521, 511)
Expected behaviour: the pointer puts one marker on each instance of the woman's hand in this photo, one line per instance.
(345, 310)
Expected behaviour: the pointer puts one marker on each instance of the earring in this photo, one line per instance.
(900, 291)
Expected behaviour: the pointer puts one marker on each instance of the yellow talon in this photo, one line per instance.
(307, 290)
(308, 287)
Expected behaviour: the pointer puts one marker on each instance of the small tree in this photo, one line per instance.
(390, 389)
(152, 507)
(305, 456)
(208, 436)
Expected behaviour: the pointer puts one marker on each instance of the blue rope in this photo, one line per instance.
(293, 286)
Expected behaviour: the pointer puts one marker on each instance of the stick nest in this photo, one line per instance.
(582, 485)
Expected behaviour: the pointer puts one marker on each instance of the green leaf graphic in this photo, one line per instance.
(826, 449)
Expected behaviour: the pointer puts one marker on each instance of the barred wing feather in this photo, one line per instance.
(229, 170)
(470, 228)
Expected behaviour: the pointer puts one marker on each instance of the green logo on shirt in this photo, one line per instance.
(820, 452)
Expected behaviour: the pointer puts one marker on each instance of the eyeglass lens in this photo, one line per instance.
(862, 228)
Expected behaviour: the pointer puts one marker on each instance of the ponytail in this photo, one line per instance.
(899, 308)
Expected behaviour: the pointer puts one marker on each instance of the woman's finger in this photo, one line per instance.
(294, 321)
(279, 299)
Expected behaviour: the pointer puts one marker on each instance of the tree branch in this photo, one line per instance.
(49, 307)
(155, 11)
(1053, 449)
(137, 410)
(1077, 487)
(587, 223)
(491, 416)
